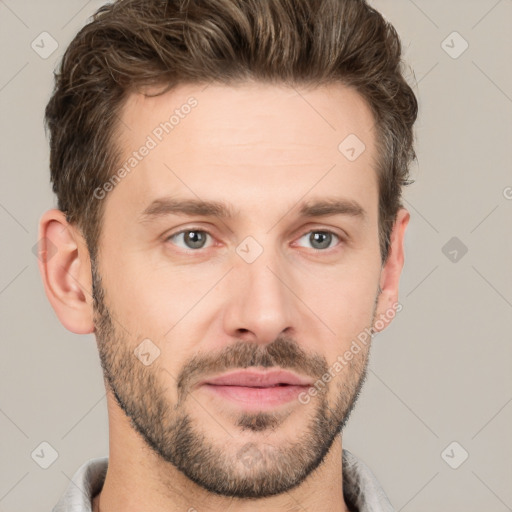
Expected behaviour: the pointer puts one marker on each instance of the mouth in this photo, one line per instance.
(259, 379)
(256, 390)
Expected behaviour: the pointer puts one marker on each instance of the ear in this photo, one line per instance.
(65, 267)
(388, 303)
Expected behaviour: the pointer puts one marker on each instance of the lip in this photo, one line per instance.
(258, 379)
(255, 398)
(256, 390)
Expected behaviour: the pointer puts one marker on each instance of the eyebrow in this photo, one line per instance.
(317, 208)
(333, 206)
(170, 206)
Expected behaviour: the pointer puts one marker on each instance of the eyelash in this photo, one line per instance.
(201, 230)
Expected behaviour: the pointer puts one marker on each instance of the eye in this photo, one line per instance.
(320, 239)
(191, 238)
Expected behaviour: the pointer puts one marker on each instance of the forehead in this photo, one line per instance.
(253, 142)
(250, 113)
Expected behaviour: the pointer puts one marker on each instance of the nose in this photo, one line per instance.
(261, 304)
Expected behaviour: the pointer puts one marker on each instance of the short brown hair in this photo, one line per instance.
(130, 44)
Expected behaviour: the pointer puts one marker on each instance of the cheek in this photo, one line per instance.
(344, 299)
(150, 299)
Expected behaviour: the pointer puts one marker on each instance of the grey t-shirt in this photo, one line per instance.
(361, 490)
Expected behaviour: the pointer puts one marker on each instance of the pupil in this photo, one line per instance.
(194, 238)
(324, 239)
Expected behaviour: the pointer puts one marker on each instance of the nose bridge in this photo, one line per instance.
(261, 302)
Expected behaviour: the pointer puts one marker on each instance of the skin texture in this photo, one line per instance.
(265, 150)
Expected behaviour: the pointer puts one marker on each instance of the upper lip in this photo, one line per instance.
(252, 378)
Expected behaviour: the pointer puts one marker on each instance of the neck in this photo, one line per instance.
(96, 503)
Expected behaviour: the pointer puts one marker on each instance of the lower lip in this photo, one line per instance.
(258, 397)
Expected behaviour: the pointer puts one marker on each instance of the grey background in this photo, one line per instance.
(441, 372)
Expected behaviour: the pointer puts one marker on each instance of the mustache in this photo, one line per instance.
(283, 353)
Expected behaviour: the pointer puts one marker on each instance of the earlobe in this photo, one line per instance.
(391, 271)
(65, 268)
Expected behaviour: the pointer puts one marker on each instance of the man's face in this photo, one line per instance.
(267, 288)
